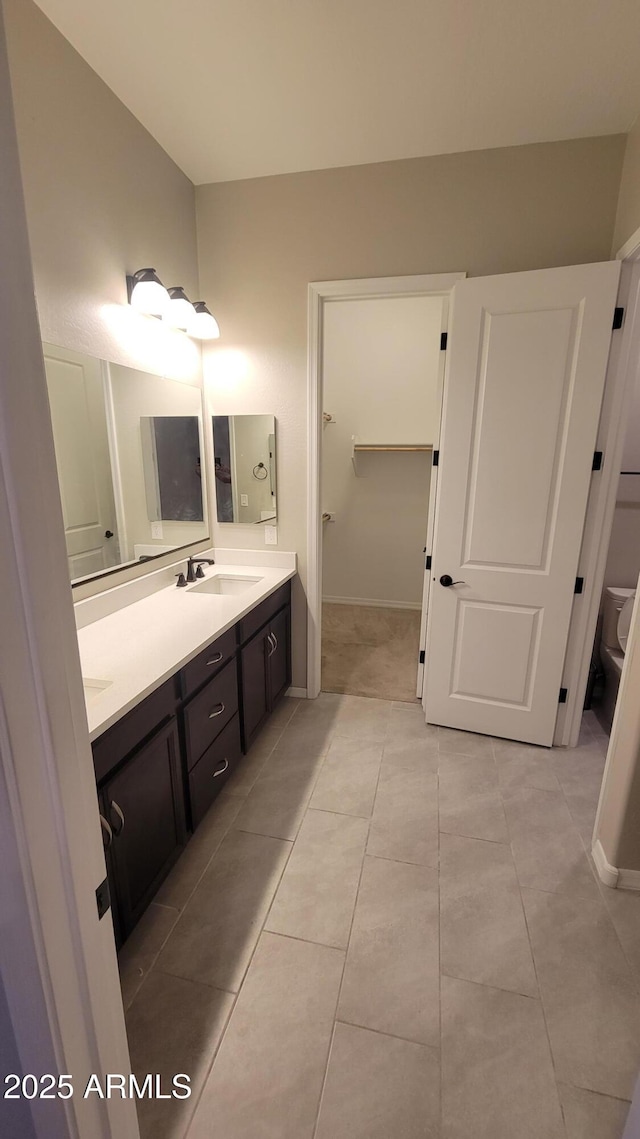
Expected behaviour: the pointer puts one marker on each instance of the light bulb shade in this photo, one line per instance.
(147, 293)
(203, 325)
(179, 312)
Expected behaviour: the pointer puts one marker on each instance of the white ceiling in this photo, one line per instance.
(241, 88)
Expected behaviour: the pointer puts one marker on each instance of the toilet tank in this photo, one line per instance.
(614, 598)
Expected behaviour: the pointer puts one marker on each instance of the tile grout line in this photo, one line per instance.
(599, 884)
(539, 998)
(392, 1035)
(346, 951)
(253, 953)
(235, 996)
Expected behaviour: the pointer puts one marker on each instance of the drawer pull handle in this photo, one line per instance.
(107, 831)
(216, 659)
(118, 811)
(217, 711)
(272, 647)
(275, 642)
(221, 770)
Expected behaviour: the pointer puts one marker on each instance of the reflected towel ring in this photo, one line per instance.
(260, 467)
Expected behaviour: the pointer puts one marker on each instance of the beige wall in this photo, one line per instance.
(262, 240)
(628, 213)
(102, 199)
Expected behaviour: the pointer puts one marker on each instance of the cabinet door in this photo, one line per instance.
(279, 659)
(144, 805)
(255, 686)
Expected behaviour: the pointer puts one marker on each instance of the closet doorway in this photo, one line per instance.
(381, 389)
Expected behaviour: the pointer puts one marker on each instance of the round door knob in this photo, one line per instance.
(108, 533)
(446, 579)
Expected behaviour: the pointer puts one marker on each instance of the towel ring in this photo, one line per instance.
(260, 467)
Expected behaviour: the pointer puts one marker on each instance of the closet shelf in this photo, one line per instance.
(392, 447)
(360, 447)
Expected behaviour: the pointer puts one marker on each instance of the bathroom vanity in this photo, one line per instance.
(188, 677)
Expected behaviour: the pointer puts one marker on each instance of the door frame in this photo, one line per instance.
(58, 966)
(624, 363)
(320, 293)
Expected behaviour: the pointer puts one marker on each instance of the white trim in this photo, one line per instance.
(319, 293)
(623, 365)
(372, 602)
(607, 873)
(298, 693)
(630, 251)
(629, 879)
(610, 875)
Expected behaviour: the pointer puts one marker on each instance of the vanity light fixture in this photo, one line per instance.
(146, 292)
(148, 295)
(203, 326)
(179, 312)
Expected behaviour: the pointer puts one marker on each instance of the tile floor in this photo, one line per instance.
(370, 651)
(388, 931)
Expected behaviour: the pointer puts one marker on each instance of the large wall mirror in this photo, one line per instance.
(244, 448)
(128, 450)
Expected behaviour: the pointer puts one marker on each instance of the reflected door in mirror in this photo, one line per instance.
(76, 400)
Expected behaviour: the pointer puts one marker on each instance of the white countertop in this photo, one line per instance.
(137, 647)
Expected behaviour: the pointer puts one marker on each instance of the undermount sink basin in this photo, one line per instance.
(94, 688)
(226, 583)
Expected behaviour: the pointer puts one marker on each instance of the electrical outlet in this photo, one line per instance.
(156, 530)
(271, 535)
(244, 499)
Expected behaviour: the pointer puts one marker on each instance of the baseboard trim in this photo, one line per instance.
(299, 693)
(629, 879)
(373, 602)
(607, 873)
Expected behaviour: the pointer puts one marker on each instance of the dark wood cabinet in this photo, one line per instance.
(143, 804)
(210, 711)
(161, 766)
(279, 660)
(265, 667)
(255, 686)
(212, 770)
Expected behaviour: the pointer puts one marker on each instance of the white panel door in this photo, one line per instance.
(525, 378)
(76, 400)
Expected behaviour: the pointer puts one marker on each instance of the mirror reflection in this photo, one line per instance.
(128, 450)
(244, 448)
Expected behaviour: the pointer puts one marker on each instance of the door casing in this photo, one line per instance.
(319, 292)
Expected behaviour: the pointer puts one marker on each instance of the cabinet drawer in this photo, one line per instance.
(129, 732)
(208, 663)
(211, 772)
(264, 612)
(207, 714)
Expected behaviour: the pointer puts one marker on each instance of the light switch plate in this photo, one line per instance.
(244, 499)
(156, 530)
(271, 535)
